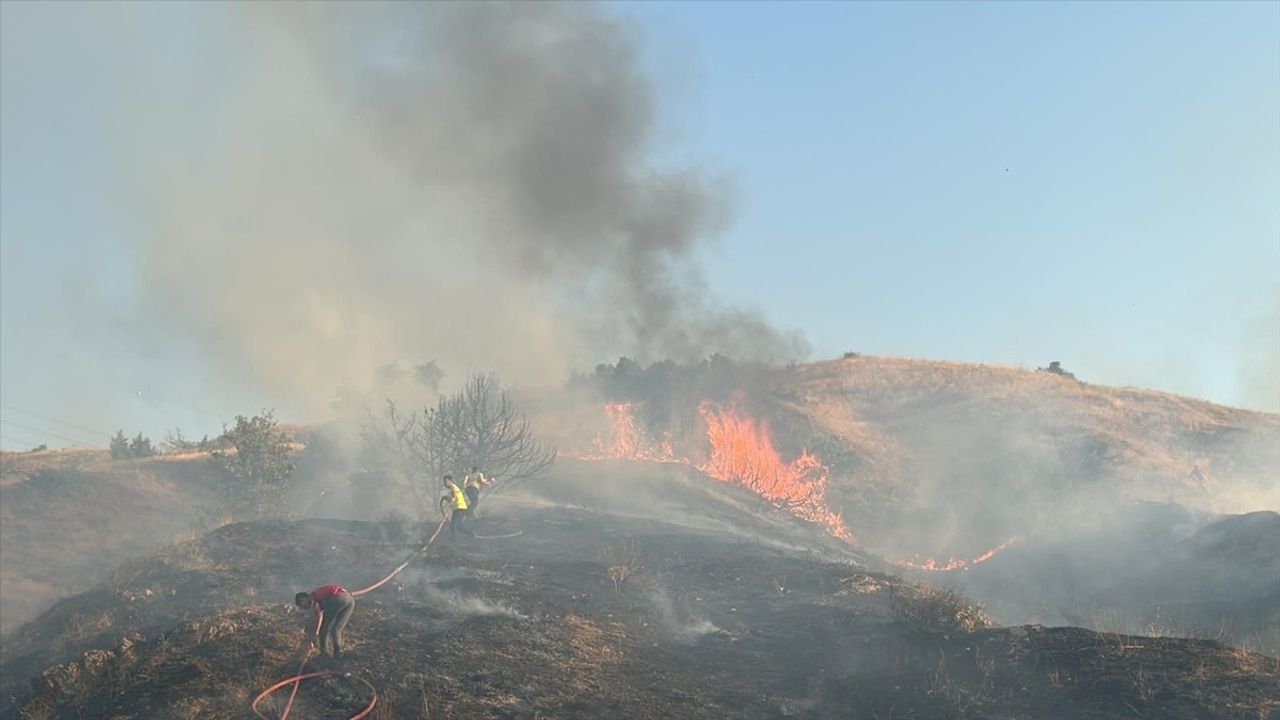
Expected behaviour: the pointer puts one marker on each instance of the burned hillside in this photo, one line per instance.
(588, 613)
(750, 541)
(947, 468)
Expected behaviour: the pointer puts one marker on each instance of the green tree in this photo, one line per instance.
(258, 465)
(122, 448)
(119, 446)
(141, 447)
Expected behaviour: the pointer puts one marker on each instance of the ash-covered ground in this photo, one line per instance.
(719, 607)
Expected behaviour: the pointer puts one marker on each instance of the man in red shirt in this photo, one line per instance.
(335, 604)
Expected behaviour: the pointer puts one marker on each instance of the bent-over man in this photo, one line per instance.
(335, 605)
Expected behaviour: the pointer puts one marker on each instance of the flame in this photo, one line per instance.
(626, 441)
(742, 453)
(933, 565)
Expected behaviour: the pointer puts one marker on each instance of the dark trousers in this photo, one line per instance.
(457, 522)
(473, 499)
(337, 611)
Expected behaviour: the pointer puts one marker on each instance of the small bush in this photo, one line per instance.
(622, 562)
(931, 611)
(177, 443)
(1055, 368)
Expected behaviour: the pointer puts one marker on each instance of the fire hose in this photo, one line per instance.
(297, 678)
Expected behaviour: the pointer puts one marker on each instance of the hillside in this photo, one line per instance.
(591, 613)
(943, 460)
(1047, 499)
(914, 417)
(1151, 569)
(69, 517)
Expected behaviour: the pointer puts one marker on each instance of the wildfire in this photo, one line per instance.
(933, 565)
(742, 453)
(626, 441)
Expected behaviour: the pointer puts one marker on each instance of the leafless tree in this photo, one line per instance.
(388, 452)
(479, 426)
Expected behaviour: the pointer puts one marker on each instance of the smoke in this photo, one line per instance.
(374, 184)
(684, 625)
(1260, 358)
(424, 585)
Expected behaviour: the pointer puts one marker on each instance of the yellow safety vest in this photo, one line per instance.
(459, 497)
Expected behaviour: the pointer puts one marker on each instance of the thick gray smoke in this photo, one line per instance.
(470, 183)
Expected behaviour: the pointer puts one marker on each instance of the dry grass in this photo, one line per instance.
(1155, 439)
(1143, 684)
(931, 611)
(66, 516)
(622, 562)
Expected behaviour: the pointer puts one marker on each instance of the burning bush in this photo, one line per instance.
(933, 611)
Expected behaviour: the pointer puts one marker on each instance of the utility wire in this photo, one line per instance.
(21, 443)
(74, 442)
(56, 420)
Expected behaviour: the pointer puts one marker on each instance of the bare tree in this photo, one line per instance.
(479, 426)
(388, 452)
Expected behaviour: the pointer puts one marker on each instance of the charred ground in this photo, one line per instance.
(591, 613)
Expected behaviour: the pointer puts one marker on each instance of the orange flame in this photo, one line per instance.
(933, 565)
(626, 441)
(742, 453)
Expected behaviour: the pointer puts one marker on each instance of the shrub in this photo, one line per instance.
(1056, 368)
(932, 611)
(141, 447)
(123, 448)
(258, 465)
(175, 442)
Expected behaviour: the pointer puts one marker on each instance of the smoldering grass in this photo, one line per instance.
(684, 626)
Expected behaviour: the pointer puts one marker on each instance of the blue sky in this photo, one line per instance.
(1095, 183)
(1090, 182)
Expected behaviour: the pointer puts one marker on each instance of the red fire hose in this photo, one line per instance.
(297, 679)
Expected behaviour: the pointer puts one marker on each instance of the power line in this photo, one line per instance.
(20, 443)
(56, 420)
(74, 442)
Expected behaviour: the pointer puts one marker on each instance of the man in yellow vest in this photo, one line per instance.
(461, 511)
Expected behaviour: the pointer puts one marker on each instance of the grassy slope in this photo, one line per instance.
(945, 445)
(68, 518)
(890, 409)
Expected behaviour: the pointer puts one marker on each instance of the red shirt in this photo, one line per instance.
(324, 592)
